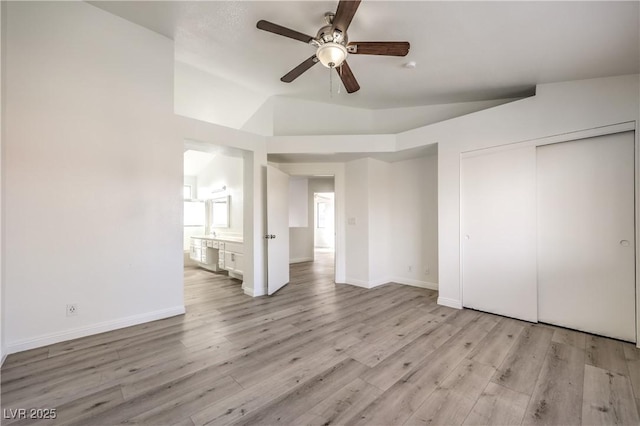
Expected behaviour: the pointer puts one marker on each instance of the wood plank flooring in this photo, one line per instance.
(319, 354)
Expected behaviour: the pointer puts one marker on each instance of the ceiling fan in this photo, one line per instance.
(333, 46)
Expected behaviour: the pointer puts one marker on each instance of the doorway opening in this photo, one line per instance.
(312, 228)
(324, 236)
(213, 192)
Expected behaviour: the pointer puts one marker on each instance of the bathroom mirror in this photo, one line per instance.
(219, 212)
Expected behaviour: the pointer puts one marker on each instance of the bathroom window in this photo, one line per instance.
(186, 192)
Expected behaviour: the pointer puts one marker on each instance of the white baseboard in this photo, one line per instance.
(250, 291)
(357, 283)
(49, 339)
(301, 259)
(4, 356)
(452, 303)
(376, 283)
(366, 284)
(416, 283)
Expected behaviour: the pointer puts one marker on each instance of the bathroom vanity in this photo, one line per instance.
(216, 253)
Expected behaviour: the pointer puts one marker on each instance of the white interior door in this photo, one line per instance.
(586, 251)
(277, 229)
(499, 233)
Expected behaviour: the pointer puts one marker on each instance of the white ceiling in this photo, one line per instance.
(465, 51)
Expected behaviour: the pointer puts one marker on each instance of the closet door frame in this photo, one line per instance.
(567, 137)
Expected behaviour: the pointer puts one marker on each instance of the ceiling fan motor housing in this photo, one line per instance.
(331, 43)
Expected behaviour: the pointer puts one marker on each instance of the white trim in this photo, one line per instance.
(301, 259)
(562, 137)
(452, 303)
(250, 291)
(49, 339)
(357, 283)
(4, 357)
(416, 283)
(367, 284)
(379, 282)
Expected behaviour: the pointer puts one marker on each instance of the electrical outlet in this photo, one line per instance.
(409, 268)
(72, 310)
(427, 271)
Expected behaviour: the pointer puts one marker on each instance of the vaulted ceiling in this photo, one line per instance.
(464, 51)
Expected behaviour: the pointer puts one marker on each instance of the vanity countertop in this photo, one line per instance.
(229, 238)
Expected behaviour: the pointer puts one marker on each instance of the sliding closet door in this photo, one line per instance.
(498, 233)
(586, 245)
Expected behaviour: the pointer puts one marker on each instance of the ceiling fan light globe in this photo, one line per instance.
(331, 55)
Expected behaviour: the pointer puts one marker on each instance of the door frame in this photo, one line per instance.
(337, 170)
(567, 137)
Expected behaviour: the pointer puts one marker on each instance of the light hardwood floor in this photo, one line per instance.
(317, 353)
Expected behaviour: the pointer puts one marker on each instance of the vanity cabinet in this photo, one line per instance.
(232, 257)
(204, 253)
(218, 254)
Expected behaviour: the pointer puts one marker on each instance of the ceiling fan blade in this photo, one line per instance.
(297, 71)
(344, 14)
(347, 77)
(386, 48)
(280, 30)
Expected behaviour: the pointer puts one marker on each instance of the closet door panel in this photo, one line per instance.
(586, 247)
(498, 196)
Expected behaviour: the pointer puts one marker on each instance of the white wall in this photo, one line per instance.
(395, 120)
(357, 223)
(299, 250)
(93, 174)
(368, 214)
(394, 206)
(301, 117)
(2, 280)
(226, 171)
(557, 109)
(331, 144)
(204, 96)
(379, 210)
(284, 116)
(414, 222)
(261, 122)
(298, 202)
(301, 239)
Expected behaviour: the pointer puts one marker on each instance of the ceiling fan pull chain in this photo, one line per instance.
(330, 84)
(340, 85)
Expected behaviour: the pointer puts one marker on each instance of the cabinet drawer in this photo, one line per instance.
(234, 247)
(221, 245)
(210, 243)
(214, 244)
(204, 243)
